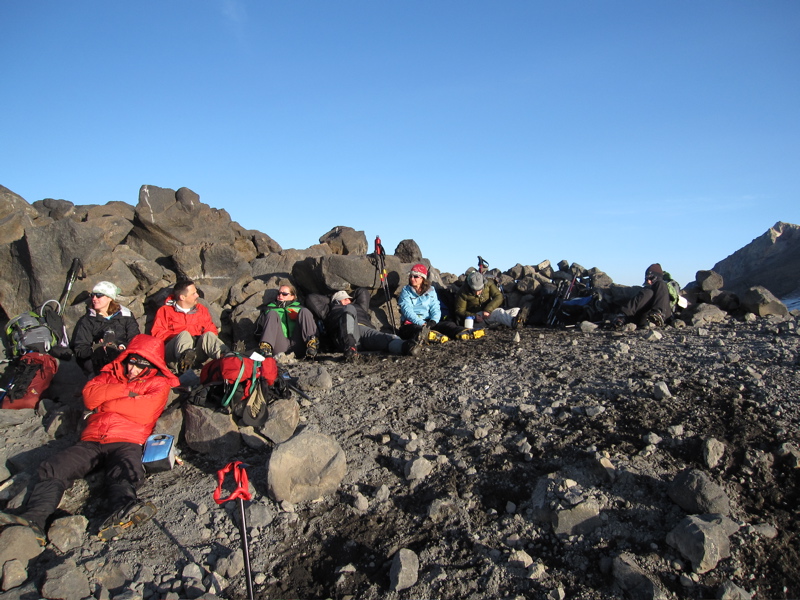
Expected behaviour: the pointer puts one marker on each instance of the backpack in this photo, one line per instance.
(38, 332)
(228, 382)
(30, 378)
(675, 298)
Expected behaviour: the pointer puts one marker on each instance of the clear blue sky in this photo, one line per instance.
(608, 133)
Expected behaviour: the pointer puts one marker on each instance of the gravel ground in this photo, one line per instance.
(493, 418)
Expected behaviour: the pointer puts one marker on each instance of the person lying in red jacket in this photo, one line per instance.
(126, 399)
(186, 328)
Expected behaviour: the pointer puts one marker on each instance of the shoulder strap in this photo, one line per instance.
(227, 399)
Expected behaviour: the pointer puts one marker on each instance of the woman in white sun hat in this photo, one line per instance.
(104, 331)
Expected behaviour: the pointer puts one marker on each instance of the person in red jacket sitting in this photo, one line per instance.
(186, 328)
(126, 399)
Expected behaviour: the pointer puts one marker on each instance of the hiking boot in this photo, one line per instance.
(9, 519)
(312, 347)
(656, 318)
(265, 349)
(412, 347)
(521, 318)
(350, 354)
(126, 518)
(187, 361)
(618, 322)
(471, 334)
(434, 337)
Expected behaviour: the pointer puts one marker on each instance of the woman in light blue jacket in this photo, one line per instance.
(420, 312)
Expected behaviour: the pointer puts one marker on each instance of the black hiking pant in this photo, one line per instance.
(650, 298)
(409, 331)
(123, 469)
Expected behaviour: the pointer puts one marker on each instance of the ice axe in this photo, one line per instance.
(241, 493)
(483, 265)
(75, 272)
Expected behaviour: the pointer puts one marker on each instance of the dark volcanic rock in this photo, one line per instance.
(768, 261)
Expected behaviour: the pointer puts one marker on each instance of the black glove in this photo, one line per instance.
(430, 323)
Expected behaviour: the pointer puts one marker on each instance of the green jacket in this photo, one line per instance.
(467, 303)
(288, 315)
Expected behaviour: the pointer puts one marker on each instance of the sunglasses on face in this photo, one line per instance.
(415, 276)
(96, 295)
(284, 293)
(135, 361)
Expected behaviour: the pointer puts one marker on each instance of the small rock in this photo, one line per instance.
(67, 533)
(419, 468)
(661, 391)
(652, 438)
(730, 591)
(405, 570)
(713, 450)
(361, 503)
(520, 558)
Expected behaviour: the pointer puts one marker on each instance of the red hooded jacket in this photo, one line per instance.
(127, 410)
(169, 321)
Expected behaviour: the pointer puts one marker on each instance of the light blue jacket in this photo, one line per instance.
(418, 309)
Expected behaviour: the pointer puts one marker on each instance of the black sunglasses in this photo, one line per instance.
(138, 362)
(96, 295)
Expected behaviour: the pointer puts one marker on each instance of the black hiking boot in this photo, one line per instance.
(351, 354)
(412, 347)
(655, 318)
(312, 347)
(521, 318)
(125, 519)
(187, 361)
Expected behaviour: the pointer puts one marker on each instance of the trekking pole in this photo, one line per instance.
(380, 254)
(483, 265)
(75, 272)
(241, 493)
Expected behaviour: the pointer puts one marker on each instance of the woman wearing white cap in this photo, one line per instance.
(104, 331)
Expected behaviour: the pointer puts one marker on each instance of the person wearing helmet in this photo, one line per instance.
(125, 399)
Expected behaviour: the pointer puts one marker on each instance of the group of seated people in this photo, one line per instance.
(286, 326)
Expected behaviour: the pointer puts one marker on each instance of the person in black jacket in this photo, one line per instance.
(104, 331)
(651, 305)
(348, 323)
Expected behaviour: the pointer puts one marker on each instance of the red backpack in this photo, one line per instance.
(31, 378)
(238, 374)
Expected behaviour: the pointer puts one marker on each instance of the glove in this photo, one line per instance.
(430, 323)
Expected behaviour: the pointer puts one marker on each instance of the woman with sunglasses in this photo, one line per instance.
(286, 326)
(104, 331)
(420, 312)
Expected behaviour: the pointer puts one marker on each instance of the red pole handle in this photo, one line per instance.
(239, 476)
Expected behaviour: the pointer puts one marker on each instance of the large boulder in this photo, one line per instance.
(328, 274)
(307, 467)
(760, 301)
(345, 240)
(171, 219)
